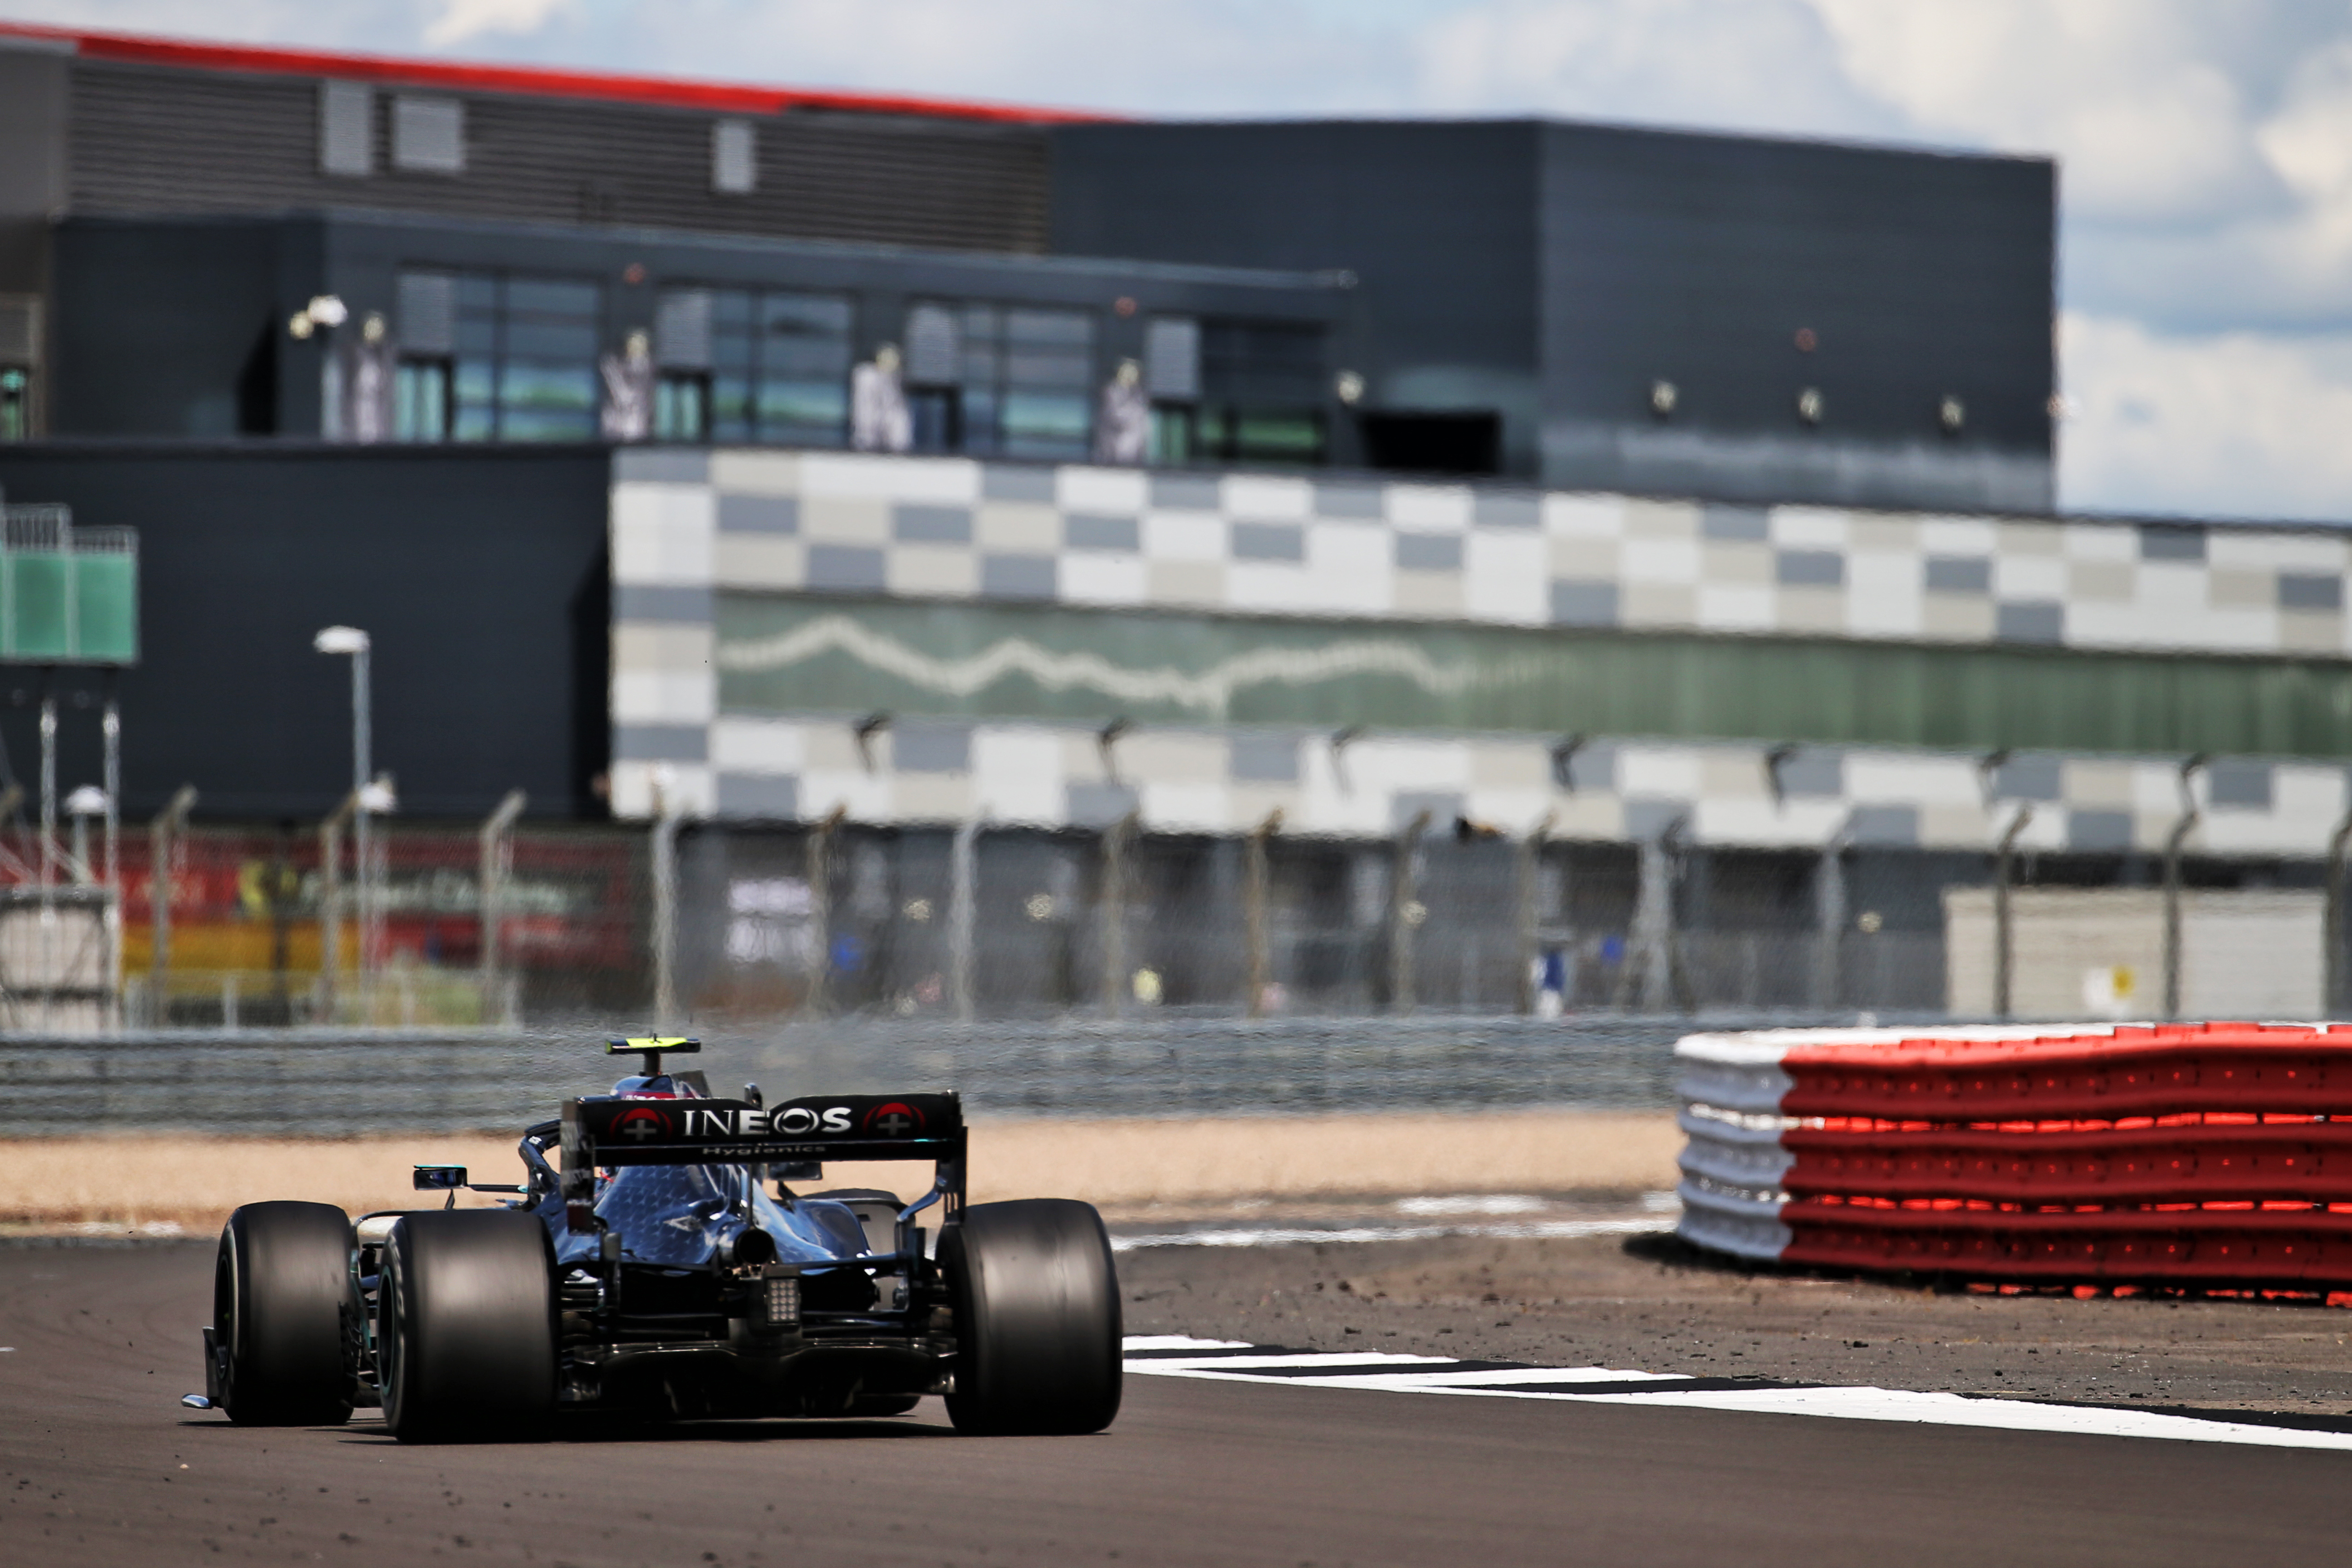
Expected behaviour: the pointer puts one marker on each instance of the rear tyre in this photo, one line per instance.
(1037, 1318)
(282, 1295)
(465, 1326)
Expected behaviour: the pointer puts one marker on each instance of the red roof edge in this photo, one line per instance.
(535, 81)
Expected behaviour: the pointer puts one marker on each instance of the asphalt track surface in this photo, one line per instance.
(94, 1445)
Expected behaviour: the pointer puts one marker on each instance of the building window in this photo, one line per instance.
(1262, 386)
(15, 403)
(1171, 379)
(734, 157)
(682, 407)
(778, 367)
(488, 357)
(20, 361)
(346, 129)
(420, 400)
(1006, 381)
(428, 135)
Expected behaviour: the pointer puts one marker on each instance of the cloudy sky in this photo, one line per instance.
(2205, 146)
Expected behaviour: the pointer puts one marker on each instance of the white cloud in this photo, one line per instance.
(2129, 93)
(2236, 425)
(1756, 64)
(463, 20)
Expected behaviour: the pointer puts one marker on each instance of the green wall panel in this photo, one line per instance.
(781, 654)
(60, 606)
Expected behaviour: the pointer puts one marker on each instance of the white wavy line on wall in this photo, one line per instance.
(1208, 691)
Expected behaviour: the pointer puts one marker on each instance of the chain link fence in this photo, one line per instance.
(929, 926)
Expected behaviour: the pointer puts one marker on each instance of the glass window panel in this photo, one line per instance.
(551, 341)
(731, 409)
(420, 401)
(1044, 425)
(477, 381)
(982, 367)
(981, 433)
(806, 357)
(730, 308)
(1278, 437)
(802, 402)
(821, 315)
(545, 425)
(679, 402)
(982, 322)
(550, 297)
(477, 335)
(523, 385)
(474, 422)
(477, 292)
(1030, 369)
(1070, 328)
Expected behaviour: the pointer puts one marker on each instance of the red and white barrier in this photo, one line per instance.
(2209, 1154)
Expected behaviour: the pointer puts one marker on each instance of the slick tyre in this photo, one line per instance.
(465, 1326)
(283, 1301)
(1037, 1318)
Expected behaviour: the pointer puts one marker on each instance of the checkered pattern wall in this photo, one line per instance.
(950, 528)
(686, 525)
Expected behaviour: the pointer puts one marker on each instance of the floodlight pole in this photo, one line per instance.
(498, 868)
(664, 877)
(351, 641)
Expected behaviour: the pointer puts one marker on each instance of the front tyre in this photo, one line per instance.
(465, 1315)
(282, 1287)
(1037, 1318)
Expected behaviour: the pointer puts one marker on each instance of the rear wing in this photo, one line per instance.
(697, 1131)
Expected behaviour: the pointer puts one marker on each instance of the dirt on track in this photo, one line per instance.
(1138, 1168)
(1649, 1303)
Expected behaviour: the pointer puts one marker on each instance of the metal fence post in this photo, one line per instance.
(497, 866)
(1530, 859)
(963, 878)
(1829, 919)
(2173, 844)
(163, 835)
(665, 932)
(820, 886)
(1649, 976)
(1253, 921)
(331, 903)
(1405, 912)
(1118, 843)
(2004, 943)
(2332, 911)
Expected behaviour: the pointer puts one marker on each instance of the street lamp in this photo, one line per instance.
(352, 641)
(85, 803)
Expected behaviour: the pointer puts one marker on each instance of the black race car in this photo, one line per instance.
(648, 1267)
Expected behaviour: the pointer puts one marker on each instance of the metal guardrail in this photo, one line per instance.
(332, 1083)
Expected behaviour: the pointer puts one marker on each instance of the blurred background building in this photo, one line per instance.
(1564, 565)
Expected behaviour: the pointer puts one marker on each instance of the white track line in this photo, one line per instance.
(1271, 1235)
(1836, 1404)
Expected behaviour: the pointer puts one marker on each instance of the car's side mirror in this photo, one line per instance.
(439, 1178)
(798, 1171)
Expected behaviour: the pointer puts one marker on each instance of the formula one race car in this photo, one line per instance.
(649, 1269)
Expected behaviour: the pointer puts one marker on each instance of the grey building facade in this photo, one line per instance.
(1572, 305)
(1604, 308)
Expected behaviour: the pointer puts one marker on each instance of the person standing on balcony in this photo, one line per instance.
(878, 420)
(1123, 434)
